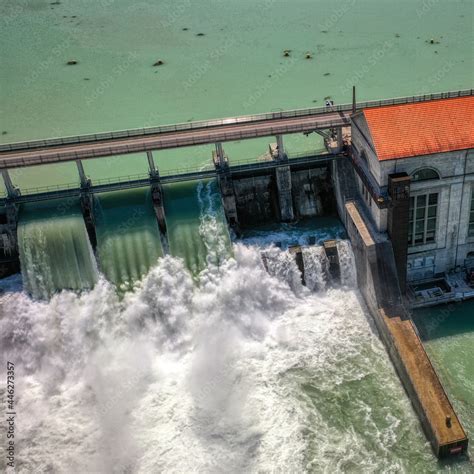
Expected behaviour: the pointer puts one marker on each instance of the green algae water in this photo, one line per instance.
(448, 335)
(234, 371)
(196, 226)
(236, 67)
(54, 247)
(128, 240)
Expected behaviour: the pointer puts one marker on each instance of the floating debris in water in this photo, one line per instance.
(4, 132)
(286, 52)
(159, 63)
(200, 34)
(324, 31)
(397, 35)
(308, 55)
(71, 62)
(185, 29)
(327, 74)
(86, 79)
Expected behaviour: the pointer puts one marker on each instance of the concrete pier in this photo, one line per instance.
(151, 165)
(330, 247)
(298, 254)
(87, 208)
(12, 192)
(158, 204)
(283, 182)
(226, 187)
(285, 198)
(9, 257)
(85, 181)
(378, 283)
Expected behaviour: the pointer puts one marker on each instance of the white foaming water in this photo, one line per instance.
(282, 265)
(347, 264)
(239, 374)
(316, 266)
(212, 224)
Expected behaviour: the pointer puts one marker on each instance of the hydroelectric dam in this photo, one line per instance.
(373, 201)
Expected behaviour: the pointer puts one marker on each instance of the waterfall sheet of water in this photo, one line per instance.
(128, 240)
(197, 230)
(347, 264)
(54, 247)
(316, 267)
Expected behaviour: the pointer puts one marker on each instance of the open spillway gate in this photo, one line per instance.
(250, 192)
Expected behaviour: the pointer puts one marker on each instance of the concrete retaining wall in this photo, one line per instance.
(377, 281)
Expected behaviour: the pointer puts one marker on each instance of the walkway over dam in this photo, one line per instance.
(59, 150)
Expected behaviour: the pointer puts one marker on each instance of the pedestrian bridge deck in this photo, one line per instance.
(59, 150)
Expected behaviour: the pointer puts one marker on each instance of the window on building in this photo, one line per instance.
(471, 217)
(422, 221)
(425, 174)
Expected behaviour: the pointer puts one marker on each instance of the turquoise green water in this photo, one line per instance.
(128, 241)
(236, 68)
(381, 46)
(54, 247)
(448, 335)
(196, 226)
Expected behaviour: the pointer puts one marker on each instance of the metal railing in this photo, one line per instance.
(202, 124)
(123, 149)
(167, 176)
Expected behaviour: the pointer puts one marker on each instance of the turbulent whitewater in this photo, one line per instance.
(243, 372)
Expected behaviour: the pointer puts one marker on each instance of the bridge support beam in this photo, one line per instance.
(283, 182)
(158, 204)
(87, 208)
(87, 204)
(12, 191)
(226, 186)
(151, 165)
(220, 159)
(339, 139)
(334, 142)
(9, 259)
(85, 181)
(229, 203)
(285, 197)
(280, 147)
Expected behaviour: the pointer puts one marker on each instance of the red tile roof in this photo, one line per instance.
(402, 131)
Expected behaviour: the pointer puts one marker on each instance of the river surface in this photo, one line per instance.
(201, 361)
(380, 46)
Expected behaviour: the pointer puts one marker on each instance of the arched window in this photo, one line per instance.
(425, 174)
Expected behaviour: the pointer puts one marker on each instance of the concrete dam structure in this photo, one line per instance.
(352, 180)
